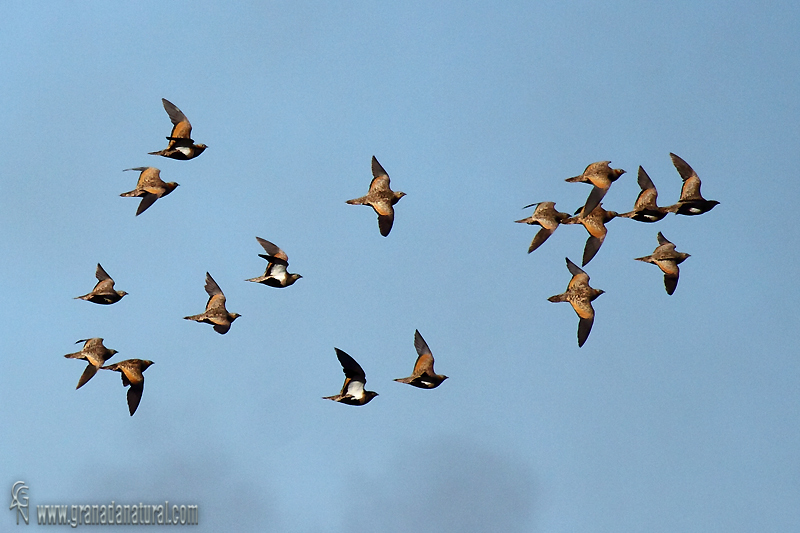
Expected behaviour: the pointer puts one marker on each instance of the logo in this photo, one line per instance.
(20, 492)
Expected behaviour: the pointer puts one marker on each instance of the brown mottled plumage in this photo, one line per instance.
(103, 293)
(423, 375)
(275, 274)
(601, 176)
(95, 354)
(646, 209)
(149, 188)
(580, 296)
(595, 224)
(546, 216)
(691, 202)
(181, 146)
(380, 197)
(132, 375)
(353, 392)
(667, 259)
(215, 313)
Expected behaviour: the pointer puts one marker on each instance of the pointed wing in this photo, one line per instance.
(646, 198)
(147, 200)
(575, 269)
(101, 274)
(683, 168)
(671, 281)
(593, 245)
(644, 180)
(350, 367)
(594, 199)
(377, 169)
(273, 251)
(424, 364)
(215, 296)
(541, 236)
(88, 374)
(182, 129)
(691, 182)
(135, 396)
(584, 328)
(385, 221)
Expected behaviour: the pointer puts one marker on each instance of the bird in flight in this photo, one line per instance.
(380, 197)
(353, 392)
(103, 293)
(181, 146)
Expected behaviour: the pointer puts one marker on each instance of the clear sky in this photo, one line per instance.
(680, 413)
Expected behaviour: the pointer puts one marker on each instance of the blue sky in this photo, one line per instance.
(680, 413)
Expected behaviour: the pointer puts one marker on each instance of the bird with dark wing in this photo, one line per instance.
(546, 216)
(275, 274)
(600, 175)
(103, 292)
(380, 197)
(132, 375)
(667, 259)
(691, 201)
(149, 188)
(595, 224)
(215, 314)
(423, 375)
(646, 209)
(95, 354)
(181, 146)
(353, 391)
(580, 296)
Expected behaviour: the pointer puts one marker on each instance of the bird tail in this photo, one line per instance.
(558, 298)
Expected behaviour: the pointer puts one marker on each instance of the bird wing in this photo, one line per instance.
(101, 274)
(272, 250)
(350, 367)
(377, 169)
(182, 128)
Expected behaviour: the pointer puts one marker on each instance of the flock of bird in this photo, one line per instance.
(594, 218)
(150, 187)
(382, 199)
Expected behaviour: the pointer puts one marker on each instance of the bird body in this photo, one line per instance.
(215, 314)
(580, 296)
(380, 197)
(423, 376)
(103, 292)
(181, 146)
(95, 354)
(353, 391)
